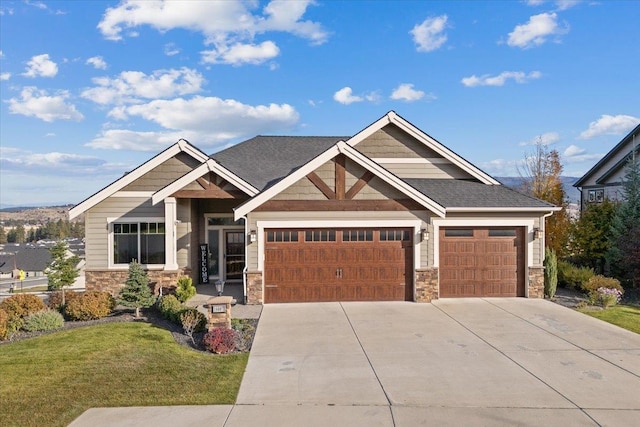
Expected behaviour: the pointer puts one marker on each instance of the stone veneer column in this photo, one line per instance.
(536, 282)
(426, 284)
(254, 287)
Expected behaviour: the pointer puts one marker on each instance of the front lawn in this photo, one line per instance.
(52, 379)
(625, 316)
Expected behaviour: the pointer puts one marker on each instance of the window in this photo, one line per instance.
(596, 196)
(458, 232)
(282, 236)
(357, 236)
(394, 235)
(320, 236)
(497, 232)
(141, 241)
(224, 221)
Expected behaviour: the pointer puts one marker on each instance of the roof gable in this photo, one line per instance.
(603, 168)
(181, 146)
(424, 139)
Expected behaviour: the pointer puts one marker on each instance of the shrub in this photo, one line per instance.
(170, 308)
(609, 297)
(55, 299)
(4, 325)
(192, 321)
(591, 286)
(185, 289)
(18, 307)
(90, 305)
(573, 277)
(220, 340)
(44, 320)
(136, 292)
(550, 273)
(245, 331)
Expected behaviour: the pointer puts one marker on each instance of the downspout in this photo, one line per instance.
(246, 258)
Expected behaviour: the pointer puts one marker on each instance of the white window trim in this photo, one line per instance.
(132, 220)
(221, 239)
(415, 224)
(491, 222)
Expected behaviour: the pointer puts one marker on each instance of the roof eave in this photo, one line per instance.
(505, 209)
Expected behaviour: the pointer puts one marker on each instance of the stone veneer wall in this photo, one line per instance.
(426, 284)
(254, 287)
(113, 281)
(536, 282)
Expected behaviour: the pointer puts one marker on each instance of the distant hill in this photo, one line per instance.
(572, 194)
(35, 215)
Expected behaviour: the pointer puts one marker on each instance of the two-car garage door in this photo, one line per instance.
(361, 264)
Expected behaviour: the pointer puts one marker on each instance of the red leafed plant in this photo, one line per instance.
(220, 340)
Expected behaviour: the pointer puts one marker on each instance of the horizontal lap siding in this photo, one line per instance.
(164, 174)
(426, 170)
(392, 142)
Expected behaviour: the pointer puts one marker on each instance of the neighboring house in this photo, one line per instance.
(604, 180)
(387, 214)
(32, 260)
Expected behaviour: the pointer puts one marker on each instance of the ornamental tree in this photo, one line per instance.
(62, 270)
(136, 292)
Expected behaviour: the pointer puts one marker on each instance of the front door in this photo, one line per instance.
(234, 254)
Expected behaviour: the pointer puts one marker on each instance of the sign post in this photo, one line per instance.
(21, 276)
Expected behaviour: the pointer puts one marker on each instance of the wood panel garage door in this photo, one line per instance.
(481, 262)
(338, 265)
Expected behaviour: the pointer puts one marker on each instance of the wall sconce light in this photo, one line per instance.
(537, 233)
(253, 236)
(424, 234)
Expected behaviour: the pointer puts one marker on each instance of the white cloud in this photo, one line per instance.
(234, 26)
(574, 150)
(501, 167)
(560, 4)
(1, 54)
(240, 54)
(500, 79)
(41, 66)
(547, 138)
(97, 62)
(575, 154)
(132, 86)
(202, 120)
(170, 49)
(5, 76)
(345, 96)
(34, 102)
(610, 125)
(429, 35)
(406, 92)
(536, 31)
(45, 163)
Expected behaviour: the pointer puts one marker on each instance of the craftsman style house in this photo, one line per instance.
(387, 214)
(604, 180)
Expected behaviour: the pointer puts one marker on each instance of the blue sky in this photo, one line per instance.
(91, 89)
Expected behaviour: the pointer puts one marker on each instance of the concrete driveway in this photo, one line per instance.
(455, 362)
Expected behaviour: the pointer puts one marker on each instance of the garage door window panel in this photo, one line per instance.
(320, 236)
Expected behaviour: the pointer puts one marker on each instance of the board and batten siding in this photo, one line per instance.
(97, 230)
(164, 174)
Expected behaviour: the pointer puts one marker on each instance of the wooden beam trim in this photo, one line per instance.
(321, 185)
(359, 185)
(339, 205)
(340, 176)
(210, 193)
(203, 183)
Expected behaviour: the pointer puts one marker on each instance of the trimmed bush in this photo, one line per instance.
(245, 331)
(90, 305)
(550, 273)
(55, 299)
(573, 277)
(44, 320)
(220, 340)
(170, 308)
(4, 325)
(18, 307)
(185, 289)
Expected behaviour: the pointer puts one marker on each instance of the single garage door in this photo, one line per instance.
(317, 265)
(481, 262)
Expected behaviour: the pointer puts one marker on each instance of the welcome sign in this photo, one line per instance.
(204, 264)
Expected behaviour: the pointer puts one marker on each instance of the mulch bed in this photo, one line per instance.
(148, 316)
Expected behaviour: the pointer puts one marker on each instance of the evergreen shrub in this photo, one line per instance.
(44, 320)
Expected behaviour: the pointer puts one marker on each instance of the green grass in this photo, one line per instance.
(52, 379)
(625, 316)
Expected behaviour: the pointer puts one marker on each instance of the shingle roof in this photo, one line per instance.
(264, 160)
(454, 193)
